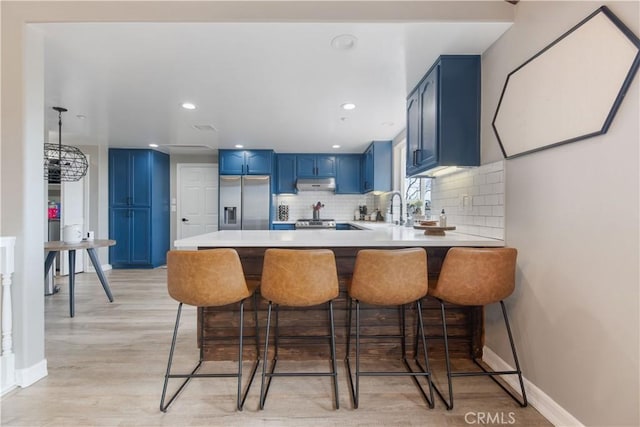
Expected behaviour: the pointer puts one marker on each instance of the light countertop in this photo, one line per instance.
(375, 235)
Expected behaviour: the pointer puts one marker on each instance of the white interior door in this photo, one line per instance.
(72, 212)
(197, 199)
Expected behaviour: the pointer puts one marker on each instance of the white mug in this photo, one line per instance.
(72, 233)
(90, 235)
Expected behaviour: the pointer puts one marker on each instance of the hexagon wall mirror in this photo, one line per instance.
(571, 89)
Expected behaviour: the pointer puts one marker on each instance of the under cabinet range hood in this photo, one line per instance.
(316, 184)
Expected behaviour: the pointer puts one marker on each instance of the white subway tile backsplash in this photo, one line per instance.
(494, 177)
(336, 206)
(491, 199)
(485, 188)
(492, 221)
(485, 210)
(479, 180)
(497, 211)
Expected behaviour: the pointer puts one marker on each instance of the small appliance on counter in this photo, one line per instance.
(363, 212)
(283, 213)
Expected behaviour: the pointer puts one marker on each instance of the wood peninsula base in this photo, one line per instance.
(464, 324)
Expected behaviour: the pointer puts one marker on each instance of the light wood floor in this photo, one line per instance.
(106, 368)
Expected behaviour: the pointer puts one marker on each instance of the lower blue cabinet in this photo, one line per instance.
(283, 227)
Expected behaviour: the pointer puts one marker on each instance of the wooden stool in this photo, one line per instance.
(209, 278)
(477, 277)
(389, 278)
(298, 278)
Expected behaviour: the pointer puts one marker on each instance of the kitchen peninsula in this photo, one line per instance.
(465, 324)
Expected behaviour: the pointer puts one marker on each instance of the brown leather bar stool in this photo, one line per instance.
(209, 278)
(298, 278)
(477, 277)
(394, 277)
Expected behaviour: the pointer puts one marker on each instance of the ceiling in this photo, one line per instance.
(262, 85)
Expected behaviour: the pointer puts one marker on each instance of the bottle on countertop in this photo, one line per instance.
(443, 219)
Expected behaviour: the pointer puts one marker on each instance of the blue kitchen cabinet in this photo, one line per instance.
(139, 208)
(377, 167)
(245, 162)
(348, 174)
(286, 174)
(131, 229)
(443, 116)
(283, 227)
(316, 165)
(127, 178)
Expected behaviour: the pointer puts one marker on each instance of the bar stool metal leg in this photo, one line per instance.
(263, 390)
(240, 398)
(427, 368)
(522, 402)
(168, 375)
(334, 365)
(491, 374)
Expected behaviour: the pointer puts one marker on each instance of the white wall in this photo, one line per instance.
(572, 212)
(22, 189)
(98, 220)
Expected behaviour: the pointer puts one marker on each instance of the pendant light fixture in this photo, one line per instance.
(63, 163)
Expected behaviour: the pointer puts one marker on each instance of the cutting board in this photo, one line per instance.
(434, 230)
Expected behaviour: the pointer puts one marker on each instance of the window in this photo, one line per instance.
(416, 191)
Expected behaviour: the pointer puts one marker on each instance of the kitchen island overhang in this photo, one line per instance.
(465, 324)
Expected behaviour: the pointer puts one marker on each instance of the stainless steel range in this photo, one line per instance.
(315, 224)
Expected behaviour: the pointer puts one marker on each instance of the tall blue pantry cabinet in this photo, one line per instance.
(138, 208)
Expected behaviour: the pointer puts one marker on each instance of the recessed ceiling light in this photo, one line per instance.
(344, 42)
(335, 146)
(387, 123)
(188, 106)
(239, 146)
(153, 145)
(81, 116)
(344, 119)
(348, 106)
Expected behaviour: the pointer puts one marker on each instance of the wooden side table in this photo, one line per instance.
(53, 247)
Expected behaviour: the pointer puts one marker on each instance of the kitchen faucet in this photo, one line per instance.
(396, 193)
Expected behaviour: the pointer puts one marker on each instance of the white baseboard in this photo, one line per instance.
(105, 267)
(26, 377)
(537, 398)
(8, 379)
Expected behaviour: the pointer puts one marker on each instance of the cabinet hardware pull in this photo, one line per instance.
(185, 220)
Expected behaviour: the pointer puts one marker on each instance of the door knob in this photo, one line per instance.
(185, 220)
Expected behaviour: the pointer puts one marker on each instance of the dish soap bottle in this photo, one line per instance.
(443, 219)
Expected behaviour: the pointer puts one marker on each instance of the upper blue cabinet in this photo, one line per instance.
(443, 116)
(377, 163)
(245, 162)
(348, 174)
(285, 180)
(316, 165)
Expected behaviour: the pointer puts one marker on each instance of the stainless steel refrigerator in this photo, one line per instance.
(244, 202)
